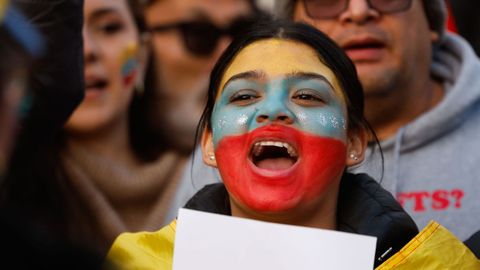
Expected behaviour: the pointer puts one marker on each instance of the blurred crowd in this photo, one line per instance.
(100, 102)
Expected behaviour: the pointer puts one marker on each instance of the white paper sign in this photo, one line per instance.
(210, 241)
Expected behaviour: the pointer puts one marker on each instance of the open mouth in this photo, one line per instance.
(367, 44)
(364, 49)
(96, 84)
(360, 43)
(273, 155)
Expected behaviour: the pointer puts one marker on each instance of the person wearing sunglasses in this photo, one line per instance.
(422, 94)
(187, 37)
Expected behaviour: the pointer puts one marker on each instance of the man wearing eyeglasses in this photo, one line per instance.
(422, 94)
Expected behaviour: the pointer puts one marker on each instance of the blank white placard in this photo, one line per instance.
(211, 241)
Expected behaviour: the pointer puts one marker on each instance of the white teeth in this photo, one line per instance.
(257, 148)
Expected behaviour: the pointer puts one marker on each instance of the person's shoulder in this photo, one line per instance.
(212, 198)
(364, 207)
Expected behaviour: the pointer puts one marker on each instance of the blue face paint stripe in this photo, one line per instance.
(128, 67)
(327, 120)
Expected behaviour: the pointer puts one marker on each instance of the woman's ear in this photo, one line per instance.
(356, 146)
(208, 152)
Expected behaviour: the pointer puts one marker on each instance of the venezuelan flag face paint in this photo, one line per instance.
(279, 127)
(130, 62)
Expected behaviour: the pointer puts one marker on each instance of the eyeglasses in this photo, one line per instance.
(201, 37)
(327, 9)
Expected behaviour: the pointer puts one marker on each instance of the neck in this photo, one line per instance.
(388, 113)
(112, 142)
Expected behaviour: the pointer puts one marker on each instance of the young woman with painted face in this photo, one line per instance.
(282, 124)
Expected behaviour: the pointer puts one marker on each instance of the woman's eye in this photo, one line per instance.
(308, 98)
(243, 98)
(111, 28)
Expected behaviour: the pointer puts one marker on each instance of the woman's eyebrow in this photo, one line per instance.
(102, 12)
(254, 74)
(308, 76)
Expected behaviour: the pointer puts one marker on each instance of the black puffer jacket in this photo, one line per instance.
(364, 207)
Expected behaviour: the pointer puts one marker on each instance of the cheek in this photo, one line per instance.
(129, 64)
(228, 122)
(325, 122)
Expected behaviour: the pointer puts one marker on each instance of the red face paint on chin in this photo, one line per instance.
(321, 161)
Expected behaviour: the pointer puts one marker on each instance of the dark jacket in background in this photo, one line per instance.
(55, 88)
(31, 203)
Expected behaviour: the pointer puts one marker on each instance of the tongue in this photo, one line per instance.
(275, 164)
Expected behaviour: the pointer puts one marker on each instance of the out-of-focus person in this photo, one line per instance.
(111, 189)
(422, 96)
(188, 36)
(121, 175)
(20, 44)
(55, 87)
(23, 245)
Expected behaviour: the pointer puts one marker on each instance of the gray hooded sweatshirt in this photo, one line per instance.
(432, 165)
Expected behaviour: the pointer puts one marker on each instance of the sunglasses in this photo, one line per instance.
(327, 9)
(201, 37)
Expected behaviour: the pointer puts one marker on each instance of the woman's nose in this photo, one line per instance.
(284, 119)
(274, 113)
(90, 50)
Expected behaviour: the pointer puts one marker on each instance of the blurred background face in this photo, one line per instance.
(112, 66)
(382, 46)
(183, 69)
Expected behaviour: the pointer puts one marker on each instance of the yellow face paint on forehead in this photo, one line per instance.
(277, 57)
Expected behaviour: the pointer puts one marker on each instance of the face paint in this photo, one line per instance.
(130, 62)
(279, 128)
(280, 183)
(288, 96)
